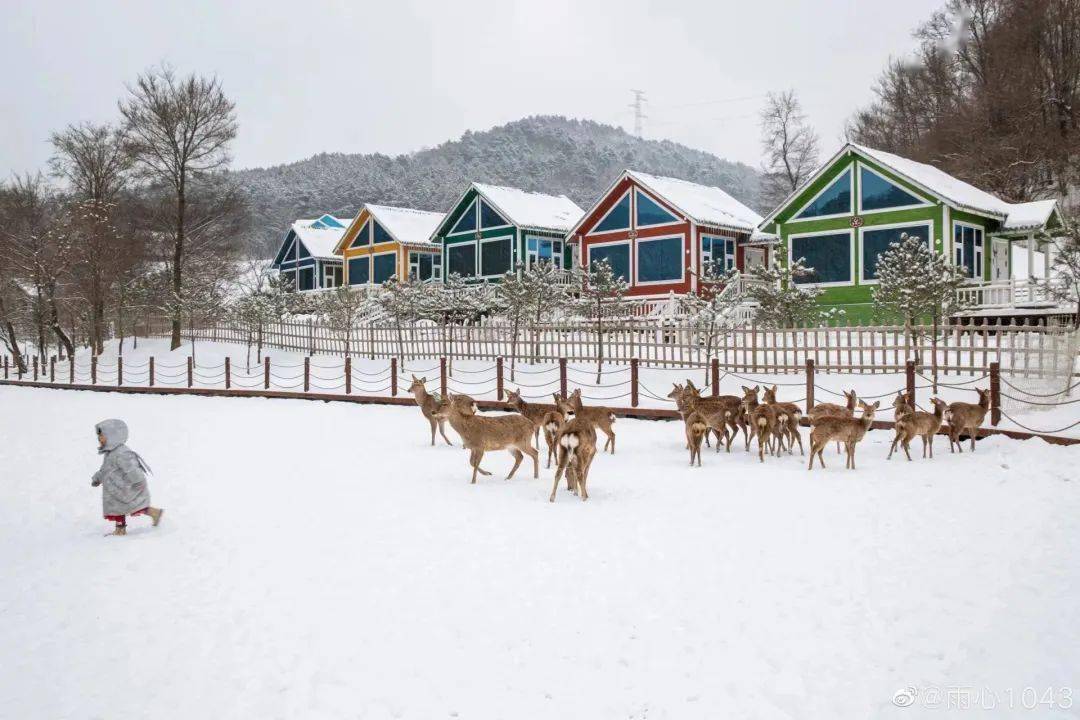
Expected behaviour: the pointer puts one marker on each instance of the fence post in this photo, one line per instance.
(311, 338)
(393, 377)
(442, 375)
(71, 369)
(52, 369)
(499, 378)
(119, 371)
(266, 373)
(228, 372)
(995, 393)
(307, 369)
(190, 372)
(753, 345)
(5, 367)
(35, 369)
(562, 377)
(909, 373)
(809, 384)
(151, 371)
(93, 370)
(348, 375)
(633, 382)
(715, 379)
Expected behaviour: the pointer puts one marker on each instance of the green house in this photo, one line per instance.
(492, 229)
(862, 199)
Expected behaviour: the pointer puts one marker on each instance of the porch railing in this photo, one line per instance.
(1015, 292)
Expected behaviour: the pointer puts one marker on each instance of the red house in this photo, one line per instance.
(655, 230)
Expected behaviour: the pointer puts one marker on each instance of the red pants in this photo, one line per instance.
(121, 520)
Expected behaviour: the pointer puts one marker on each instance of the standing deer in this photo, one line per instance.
(533, 411)
(766, 422)
(428, 403)
(601, 417)
(846, 430)
(966, 418)
(697, 427)
(791, 424)
(822, 410)
(480, 433)
(729, 406)
(551, 423)
(902, 405)
(577, 448)
(919, 424)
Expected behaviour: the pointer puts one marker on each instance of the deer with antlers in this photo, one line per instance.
(480, 433)
(967, 418)
(602, 417)
(915, 423)
(427, 403)
(849, 431)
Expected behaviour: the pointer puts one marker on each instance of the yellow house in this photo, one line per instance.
(384, 242)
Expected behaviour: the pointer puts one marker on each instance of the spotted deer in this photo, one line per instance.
(843, 429)
(484, 433)
(916, 423)
(577, 448)
(966, 418)
(601, 417)
(791, 424)
(428, 402)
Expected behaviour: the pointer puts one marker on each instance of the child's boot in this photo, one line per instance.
(119, 530)
(155, 515)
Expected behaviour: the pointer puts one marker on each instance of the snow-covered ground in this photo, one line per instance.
(537, 382)
(322, 561)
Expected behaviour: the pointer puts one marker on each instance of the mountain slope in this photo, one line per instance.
(578, 158)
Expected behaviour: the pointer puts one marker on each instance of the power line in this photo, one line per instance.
(637, 106)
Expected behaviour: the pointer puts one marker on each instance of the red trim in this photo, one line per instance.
(120, 518)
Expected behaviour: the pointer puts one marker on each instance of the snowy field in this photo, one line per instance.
(322, 561)
(537, 382)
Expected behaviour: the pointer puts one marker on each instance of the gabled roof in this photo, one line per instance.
(329, 221)
(527, 210)
(406, 225)
(319, 240)
(1030, 215)
(938, 183)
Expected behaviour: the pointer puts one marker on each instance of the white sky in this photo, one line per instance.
(393, 76)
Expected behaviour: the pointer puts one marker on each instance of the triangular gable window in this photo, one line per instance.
(361, 237)
(330, 221)
(877, 193)
(649, 212)
(618, 218)
(303, 250)
(467, 222)
(287, 247)
(834, 200)
(380, 234)
(489, 218)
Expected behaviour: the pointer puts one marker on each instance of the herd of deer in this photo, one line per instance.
(776, 424)
(570, 428)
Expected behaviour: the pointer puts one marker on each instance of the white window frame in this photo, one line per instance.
(384, 242)
(476, 258)
(859, 166)
(474, 205)
(533, 256)
(480, 255)
(851, 196)
(729, 242)
(292, 250)
(328, 275)
(345, 272)
(682, 264)
(481, 228)
(852, 260)
(371, 267)
(633, 211)
(978, 249)
(365, 228)
(928, 237)
(629, 253)
(436, 269)
(629, 216)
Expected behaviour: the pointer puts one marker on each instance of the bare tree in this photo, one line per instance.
(177, 132)
(790, 146)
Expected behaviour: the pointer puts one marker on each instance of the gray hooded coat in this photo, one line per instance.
(122, 474)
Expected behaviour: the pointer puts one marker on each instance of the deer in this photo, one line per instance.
(844, 429)
(766, 422)
(688, 400)
(551, 423)
(697, 427)
(966, 417)
(728, 405)
(919, 424)
(534, 411)
(601, 417)
(794, 417)
(481, 433)
(902, 404)
(577, 448)
(832, 409)
(428, 402)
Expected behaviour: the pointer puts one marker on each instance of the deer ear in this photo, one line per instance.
(877, 403)
(745, 389)
(774, 388)
(757, 388)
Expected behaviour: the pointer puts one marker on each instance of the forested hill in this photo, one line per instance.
(578, 158)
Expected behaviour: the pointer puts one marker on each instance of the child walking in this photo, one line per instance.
(122, 477)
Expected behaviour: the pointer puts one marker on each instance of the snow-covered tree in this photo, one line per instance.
(602, 293)
(783, 302)
(711, 311)
(341, 307)
(404, 302)
(1064, 282)
(547, 291)
(515, 298)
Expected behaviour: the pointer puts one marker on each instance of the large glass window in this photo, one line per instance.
(359, 270)
(331, 276)
(461, 259)
(495, 256)
(835, 200)
(617, 255)
(876, 241)
(649, 212)
(660, 260)
(828, 255)
(307, 278)
(362, 237)
(467, 222)
(421, 266)
(618, 218)
(303, 250)
(544, 249)
(288, 249)
(489, 218)
(968, 246)
(383, 267)
(289, 278)
(877, 193)
(717, 253)
(380, 234)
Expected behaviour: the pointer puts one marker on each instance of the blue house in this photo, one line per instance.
(306, 257)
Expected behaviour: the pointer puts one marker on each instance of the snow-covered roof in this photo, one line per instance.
(703, 204)
(406, 225)
(532, 210)
(955, 192)
(319, 240)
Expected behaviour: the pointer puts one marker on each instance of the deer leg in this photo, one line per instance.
(930, 441)
(535, 455)
(583, 476)
(907, 444)
(474, 460)
(892, 448)
(517, 461)
(433, 422)
(442, 431)
(559, 469)
(974, 432)
(611, 438)
(798, 438)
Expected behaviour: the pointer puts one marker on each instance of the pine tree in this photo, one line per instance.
(711, 311)
(403, 302)
(602, 293)
(340, 308)
(515, 298)
(1064, 282)
(547, 292)
(782, 301)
